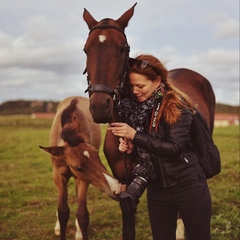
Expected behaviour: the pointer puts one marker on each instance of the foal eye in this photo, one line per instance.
(79, 169)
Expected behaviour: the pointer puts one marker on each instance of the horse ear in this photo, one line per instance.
(124, 19)
(88, 18)
(56, 151)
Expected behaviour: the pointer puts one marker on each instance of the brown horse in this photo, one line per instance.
(107, 53)
(74, 143)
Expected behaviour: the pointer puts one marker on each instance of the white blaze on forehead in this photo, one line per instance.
(113, 183)
(102, 38)
(86, 153)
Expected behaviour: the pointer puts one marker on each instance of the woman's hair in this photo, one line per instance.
(174, 100)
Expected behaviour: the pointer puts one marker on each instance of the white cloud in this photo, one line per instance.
(40, 29)
(228, 29)
(41, 43)
(22, 52)
(219, 66)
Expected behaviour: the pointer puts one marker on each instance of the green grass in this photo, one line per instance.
(28, 197)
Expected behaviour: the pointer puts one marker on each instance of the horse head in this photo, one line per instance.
(107, 52)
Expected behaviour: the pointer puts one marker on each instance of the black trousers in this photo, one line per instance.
(192, 199)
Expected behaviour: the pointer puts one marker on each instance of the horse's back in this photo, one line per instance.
(91, 129)
(198, 88)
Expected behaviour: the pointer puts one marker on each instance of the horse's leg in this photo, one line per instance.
(61, 183)
(180, 229)
(123, 172)
(78, 234)
(128, 219)
(82, 211)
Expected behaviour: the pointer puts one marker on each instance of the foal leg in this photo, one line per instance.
(63, 212)
(82, 211)
(128, 219)
(57, 225)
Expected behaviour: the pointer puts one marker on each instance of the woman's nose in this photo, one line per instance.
(135, 90)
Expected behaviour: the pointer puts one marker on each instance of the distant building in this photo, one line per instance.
(43, 115)
(225, 119)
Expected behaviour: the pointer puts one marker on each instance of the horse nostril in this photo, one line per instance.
(108, 103)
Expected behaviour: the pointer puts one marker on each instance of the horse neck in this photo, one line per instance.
(115, 115)
(126, 93)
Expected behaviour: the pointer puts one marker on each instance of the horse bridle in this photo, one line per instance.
(114, 93)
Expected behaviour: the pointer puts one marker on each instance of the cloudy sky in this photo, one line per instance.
(41, 43)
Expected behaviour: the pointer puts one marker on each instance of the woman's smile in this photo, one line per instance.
(142, 87)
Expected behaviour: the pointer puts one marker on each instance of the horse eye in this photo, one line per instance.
(122, 49)
(85, 50)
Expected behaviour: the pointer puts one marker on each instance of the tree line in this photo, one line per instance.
(27, 107)
(31, 106)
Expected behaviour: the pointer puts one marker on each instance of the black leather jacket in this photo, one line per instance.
(172, 152)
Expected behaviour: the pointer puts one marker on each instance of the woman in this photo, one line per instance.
(156, 131)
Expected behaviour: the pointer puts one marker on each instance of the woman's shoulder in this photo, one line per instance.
(186, 110)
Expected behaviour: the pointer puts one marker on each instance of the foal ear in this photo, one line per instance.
(56, 151)
(88, 18)
(124, 19)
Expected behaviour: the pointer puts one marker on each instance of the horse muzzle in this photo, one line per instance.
(101, 107)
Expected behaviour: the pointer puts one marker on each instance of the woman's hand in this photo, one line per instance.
(122, 130)
(125, 145)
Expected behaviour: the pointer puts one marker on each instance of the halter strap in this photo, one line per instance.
(106, 26)
(102, 88)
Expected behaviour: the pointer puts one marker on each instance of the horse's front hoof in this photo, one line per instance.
(57, 231)
(78, 237)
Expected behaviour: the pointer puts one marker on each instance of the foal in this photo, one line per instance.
(74, 140)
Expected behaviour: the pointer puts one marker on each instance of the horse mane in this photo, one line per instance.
(70, 126)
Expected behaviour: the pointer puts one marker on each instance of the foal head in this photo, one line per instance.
(107, 53)
(82, 158)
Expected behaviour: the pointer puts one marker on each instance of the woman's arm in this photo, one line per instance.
(122, 130)
(177, 135)
(126, 145)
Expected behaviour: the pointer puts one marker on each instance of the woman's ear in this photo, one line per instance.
(158, 81)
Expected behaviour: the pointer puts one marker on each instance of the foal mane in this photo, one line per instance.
(68, 112)
(70, 125)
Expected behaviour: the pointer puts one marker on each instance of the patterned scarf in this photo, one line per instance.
(135, 114)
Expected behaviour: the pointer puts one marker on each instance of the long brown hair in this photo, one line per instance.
(174, 100)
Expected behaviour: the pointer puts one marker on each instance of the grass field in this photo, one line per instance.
(28, 196)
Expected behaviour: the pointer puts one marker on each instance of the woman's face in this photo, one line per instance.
(142, 87)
